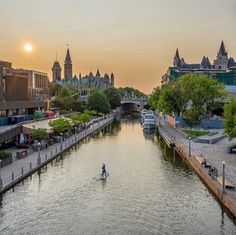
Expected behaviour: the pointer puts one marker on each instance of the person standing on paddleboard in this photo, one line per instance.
(104, 170)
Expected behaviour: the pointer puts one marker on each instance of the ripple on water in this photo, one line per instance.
(148, 192)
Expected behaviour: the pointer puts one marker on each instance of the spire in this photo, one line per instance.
(177, 54)
(98, 73)
(222, 50)
(177, 60)
(68, 58)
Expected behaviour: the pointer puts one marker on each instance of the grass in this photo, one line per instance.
(195, 133)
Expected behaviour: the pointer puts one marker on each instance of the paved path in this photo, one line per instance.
(21, 167)
(215, 154)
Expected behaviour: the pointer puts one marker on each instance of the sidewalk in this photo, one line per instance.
(20, 169)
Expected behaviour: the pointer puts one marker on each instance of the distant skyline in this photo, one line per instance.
(136, 40)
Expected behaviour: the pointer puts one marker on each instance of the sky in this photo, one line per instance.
(134, 39)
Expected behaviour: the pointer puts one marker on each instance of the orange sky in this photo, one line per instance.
(135, 39)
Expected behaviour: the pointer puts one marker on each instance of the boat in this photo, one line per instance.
(149, 121)
(143, 113)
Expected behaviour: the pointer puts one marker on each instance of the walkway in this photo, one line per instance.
(20, 169)
(214, 154)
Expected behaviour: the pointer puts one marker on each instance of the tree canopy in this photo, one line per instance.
(66, 101)
(39, 134)
(130, 92)
(230, 118)
(190, 96)
(113, 97)
(60, 125)
(99, 102)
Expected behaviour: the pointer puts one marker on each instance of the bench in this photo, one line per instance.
(200, 160)
(228, 183)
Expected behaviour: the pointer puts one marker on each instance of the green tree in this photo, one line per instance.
(113, 97)
(191, 96)
(60, 125)
(37, 115)
(54, 88)
(84, 117)
(154, 98)
(98, 101)
(75, 119)
(130, 91)
(39, 134)
(230, 118)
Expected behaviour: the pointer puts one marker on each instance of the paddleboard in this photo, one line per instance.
(103, 177)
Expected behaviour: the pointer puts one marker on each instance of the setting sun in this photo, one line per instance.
(28, 47)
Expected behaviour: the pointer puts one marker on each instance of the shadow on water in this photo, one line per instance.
(171, 156)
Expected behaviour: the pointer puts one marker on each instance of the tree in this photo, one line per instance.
(98, 101)
(230, 118)
(54, 88)
(38, 115)
(66, 101)
(75, 119)
(60, 125)
(39, 134)
(113, 97)
(84, 117)
(154, 98)
(191, 96)
(130, 91)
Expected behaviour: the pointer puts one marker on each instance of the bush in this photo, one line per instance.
(4, 155)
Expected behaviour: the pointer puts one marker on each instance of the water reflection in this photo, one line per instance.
(150, 190)
(149, 133)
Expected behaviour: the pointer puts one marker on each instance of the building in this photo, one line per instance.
(68, 66)
(56, 71)
(38, 83)
(21, 91)
(222, 69)
(80, 83)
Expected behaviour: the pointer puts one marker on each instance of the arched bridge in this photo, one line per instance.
(138, 101)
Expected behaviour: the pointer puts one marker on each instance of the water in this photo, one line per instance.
(149, 191)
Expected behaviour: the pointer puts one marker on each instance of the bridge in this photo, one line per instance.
(140, 102)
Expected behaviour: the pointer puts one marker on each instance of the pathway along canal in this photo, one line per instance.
(149, 191)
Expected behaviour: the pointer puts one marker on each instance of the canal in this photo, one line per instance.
(149, 191)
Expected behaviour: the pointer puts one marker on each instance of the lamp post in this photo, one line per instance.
(75, 133)
(223, 179)
(39, 158)
(189, 146)
(0, 174)
(174, 132)
(61, 140)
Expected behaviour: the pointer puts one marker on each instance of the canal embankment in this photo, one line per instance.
(224, 191)
(15, 173)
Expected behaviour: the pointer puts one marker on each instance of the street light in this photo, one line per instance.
(223, 183)
(174, 132)
(0, 174)
(189, 146)
(75, 133)
(61, 140)
(39, 158)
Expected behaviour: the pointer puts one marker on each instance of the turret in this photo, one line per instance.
(68, 65)
(177, 60)
(112, 80)
(56, 71)
(221, 61)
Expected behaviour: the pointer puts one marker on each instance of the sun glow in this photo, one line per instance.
(28, 47)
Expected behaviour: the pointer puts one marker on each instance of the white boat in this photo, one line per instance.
(149, 121)
(143, 113)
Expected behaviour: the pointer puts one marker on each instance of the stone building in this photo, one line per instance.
(222, 69)
(56, 71)
(80, 83)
